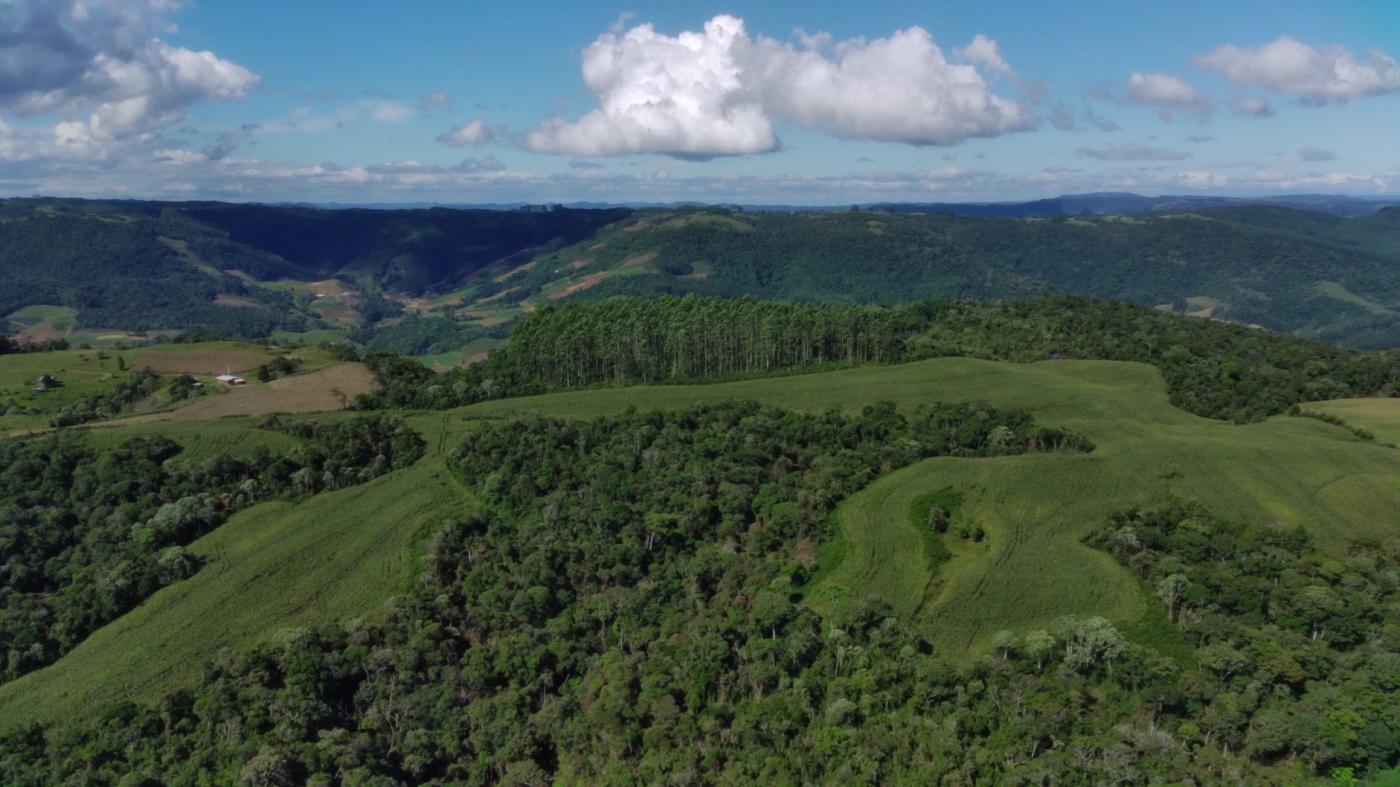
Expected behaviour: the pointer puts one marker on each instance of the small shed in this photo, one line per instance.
(228, 379)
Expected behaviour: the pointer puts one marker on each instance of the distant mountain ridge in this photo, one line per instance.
(1092, 204)
(1330, 271)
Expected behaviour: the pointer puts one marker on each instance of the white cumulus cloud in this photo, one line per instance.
(1290, 67)
(719, 92)
(99, 68)
(473, 132)
(986, 53)
(1167, 94)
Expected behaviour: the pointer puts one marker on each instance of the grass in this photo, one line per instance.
(331, 388)
(1036, 509)
(60, 317)
(82, 372)
(471, 352)
(315, 336)
(340, 555)
(85, 372)
(1337, 292)
(202, 441)
(1380, 417)
(277, 566)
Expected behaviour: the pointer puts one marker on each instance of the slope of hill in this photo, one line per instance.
(1035, 509)
(248, 270)
(1294, 271)
(74, 268)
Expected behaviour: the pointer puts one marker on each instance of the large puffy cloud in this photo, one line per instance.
(719, 92)
(1317, 75)
(895, 89)
(98, 67)
(1167, 94)
(682, 95)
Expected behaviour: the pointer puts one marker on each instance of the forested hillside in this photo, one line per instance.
(88, 533)
(246, 269)
(146, 266)
(1213, 369)
(1335, 280)
(629, 608)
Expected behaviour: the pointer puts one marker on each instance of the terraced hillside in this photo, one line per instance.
(341, 554)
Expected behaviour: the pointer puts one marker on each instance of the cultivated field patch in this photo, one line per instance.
(204, 359)
(331, 388)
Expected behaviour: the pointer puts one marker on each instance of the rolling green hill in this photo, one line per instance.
(353, 548)
(277, 566)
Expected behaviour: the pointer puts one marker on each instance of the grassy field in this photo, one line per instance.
(86, 372)
(201, 441)
(277, 566)
(1036, 509)
(41, 323)
(82, 372)
(1380, 417)
(330, 388)
(340, 555)
(473, 351)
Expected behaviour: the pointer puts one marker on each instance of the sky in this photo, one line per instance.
(753, 102)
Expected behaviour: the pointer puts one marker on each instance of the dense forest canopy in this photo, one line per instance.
(1213, 369)
(1334, 281)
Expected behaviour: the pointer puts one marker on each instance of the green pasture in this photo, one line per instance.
(200, 440)
(277, 566)
(1380, 417)
(81, 372)
(1036, 509)
(340, 555)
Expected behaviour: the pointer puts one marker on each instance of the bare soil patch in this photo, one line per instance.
(578, 286)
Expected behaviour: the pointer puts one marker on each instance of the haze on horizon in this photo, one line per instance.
(747, 102)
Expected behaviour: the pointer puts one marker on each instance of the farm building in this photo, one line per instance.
(229, 379)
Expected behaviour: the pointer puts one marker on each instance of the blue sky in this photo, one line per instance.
(777, 102)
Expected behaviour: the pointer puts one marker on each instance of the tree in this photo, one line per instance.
(1171, 590)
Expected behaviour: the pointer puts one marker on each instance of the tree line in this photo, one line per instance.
(88, 532)
(1212, 369)
(1297, 652)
